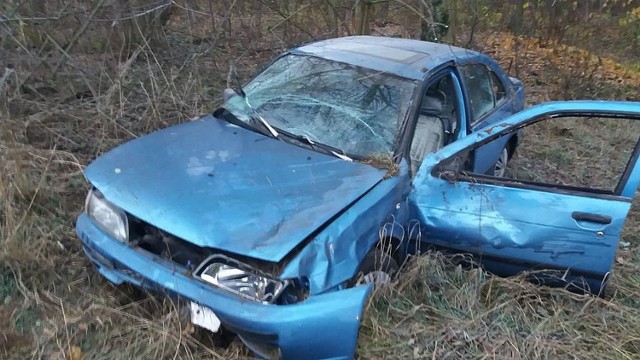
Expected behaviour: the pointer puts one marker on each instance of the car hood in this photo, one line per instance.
(218, 185)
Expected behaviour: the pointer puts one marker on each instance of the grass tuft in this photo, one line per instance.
(438, 310)
(80, 85)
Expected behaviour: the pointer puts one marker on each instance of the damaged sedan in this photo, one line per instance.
(275, 215)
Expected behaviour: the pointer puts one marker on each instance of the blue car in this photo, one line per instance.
(274, 216)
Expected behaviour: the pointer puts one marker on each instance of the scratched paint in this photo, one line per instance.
(245, 203)
(222, 187)
(523, 227)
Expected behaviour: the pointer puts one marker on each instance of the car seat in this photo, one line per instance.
(429, 133)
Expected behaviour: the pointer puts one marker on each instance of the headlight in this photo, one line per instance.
(107, 216)
(243, 283)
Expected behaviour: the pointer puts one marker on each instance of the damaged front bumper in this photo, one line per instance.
(321, 327)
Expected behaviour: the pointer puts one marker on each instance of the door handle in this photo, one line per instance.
(594, 218)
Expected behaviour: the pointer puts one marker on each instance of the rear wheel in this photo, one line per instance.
(500, 168)
(376, 268)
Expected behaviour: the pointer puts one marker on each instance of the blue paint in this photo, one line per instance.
(210, 182)
(333, 256)
(333, 317)
(427, 55)
(517, 228)
(220, 186)
(314, 217)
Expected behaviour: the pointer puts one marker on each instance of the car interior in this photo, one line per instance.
(437, 121)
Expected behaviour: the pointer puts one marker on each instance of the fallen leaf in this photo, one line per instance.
(75, 353)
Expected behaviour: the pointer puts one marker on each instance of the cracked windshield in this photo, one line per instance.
(354, 110)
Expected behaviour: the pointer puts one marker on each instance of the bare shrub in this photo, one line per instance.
(90, 74)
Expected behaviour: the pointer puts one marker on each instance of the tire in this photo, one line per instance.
(376, 268)
(500, 167)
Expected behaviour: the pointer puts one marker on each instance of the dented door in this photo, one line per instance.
(536, 219)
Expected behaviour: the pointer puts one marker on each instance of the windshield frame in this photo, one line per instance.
(397, 147)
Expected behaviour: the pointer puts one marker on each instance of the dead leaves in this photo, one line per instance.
(534, 57)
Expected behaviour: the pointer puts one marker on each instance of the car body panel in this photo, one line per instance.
(517, 228)
(461, 103)
(334, 254)
(508, 225)
(380, 53)
(209, 182)
(487, 155)
(225, 188)
(334, 317)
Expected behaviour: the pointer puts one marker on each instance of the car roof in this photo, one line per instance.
(403, 57)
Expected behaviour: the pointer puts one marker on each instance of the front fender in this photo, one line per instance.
(334, 255)
(323, 326)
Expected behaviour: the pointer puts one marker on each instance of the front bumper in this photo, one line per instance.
(321, 327)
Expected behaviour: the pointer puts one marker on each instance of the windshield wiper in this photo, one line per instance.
(257, 116)
(254, 112)
(327, 148)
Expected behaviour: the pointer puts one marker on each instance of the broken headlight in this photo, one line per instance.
(243, 282)
(107, 216)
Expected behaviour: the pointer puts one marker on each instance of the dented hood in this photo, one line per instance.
(218, 185)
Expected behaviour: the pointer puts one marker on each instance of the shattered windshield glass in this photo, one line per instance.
(357, 111)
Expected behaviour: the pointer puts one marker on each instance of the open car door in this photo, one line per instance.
(561, 205)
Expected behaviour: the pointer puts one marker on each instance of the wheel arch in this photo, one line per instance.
(394, 242)
(512, 145)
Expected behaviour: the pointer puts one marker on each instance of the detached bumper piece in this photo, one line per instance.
(323, 326)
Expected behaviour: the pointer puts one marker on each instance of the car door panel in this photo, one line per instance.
(451, 118)
(448, 218)
(538, 229)
(498, 220)
(487, 155)
(511, 227)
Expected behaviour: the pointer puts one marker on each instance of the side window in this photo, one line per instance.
(438, 120)
(480, 89)
(498, 88)
(582, 153)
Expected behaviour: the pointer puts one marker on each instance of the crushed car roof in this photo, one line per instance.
(404, 57)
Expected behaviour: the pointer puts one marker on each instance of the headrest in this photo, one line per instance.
(432, 103)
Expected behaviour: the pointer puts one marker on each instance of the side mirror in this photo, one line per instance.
(228, 93)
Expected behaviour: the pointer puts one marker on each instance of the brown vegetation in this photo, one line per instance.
(81, 76)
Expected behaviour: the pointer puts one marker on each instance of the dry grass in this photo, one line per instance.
(75, 94)
(581, 152)
(438, 310)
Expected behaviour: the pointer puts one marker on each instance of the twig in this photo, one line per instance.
(5, 77)
(6, 20)
(76, 36)
(134, 15)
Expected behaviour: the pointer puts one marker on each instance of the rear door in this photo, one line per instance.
(488, 102)
(561, 205)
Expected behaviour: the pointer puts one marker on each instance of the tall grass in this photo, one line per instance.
(78, 88)
(438, 310)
